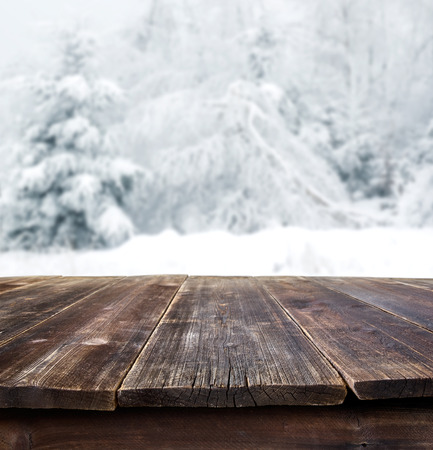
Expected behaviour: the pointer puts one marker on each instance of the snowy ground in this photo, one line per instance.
(289, 251)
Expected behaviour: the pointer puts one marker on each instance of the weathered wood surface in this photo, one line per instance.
(78, 358)
(10, 283)
(72, 342)
(226, 342)
(426, 283)
(379, 354)
(407, 301)
(384, 425)
(22, 309)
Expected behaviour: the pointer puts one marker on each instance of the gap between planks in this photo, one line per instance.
(364, 388)
(29, 307)
(378, 354)
(77, 358)
(145, 342)
(409, 302)
(225, 342)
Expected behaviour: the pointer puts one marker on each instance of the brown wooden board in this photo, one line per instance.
(382, 425)
(378, 354)
(22, 309)
(420, 283)
(426, 283)
(78, 358)
(226, 342)
(26, 279)
(17, 280)
(411, 303)
(10, 283)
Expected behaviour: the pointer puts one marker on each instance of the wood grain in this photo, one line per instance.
(383, 425)
(225, 342)
(409, 302)
(22, 309)
(378, 354)
(10, 283)
(426, 283)
(78, 358)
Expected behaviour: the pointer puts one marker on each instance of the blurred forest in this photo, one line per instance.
(233, 115)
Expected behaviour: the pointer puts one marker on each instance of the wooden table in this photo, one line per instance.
(216, 362)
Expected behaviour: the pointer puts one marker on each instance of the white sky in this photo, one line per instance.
(23, 23)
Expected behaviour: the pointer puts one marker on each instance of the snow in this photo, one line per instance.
(76, 131)
(74, 88)
(114, 225)
(289, 251)
(416, 204)
(200, 116)
(71, 191)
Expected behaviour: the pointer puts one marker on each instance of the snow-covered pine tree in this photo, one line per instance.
(69, 189)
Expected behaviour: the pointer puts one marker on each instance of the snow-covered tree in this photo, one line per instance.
(68, 188)
(253, 172)
(416, 204)
(246, 110)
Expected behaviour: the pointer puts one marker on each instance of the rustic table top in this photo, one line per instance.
(98, 343)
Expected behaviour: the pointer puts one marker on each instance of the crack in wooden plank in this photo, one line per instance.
(212, 338)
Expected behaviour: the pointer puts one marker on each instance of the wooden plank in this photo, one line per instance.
(10, 283)
(411, 303)
(421, 283)
(386, 425)
(13, 279)
(22, 309)
(78, 358)
(378, 354)
(225, 342)
(25, 279)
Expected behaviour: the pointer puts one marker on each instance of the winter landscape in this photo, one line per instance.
(234, 137)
